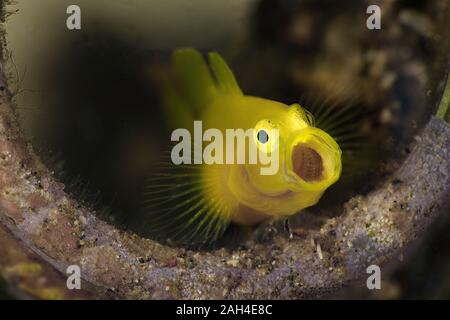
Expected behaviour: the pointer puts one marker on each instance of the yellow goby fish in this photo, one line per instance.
(194, 204)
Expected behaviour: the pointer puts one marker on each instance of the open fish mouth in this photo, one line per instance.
(313, 160)
(307, 163)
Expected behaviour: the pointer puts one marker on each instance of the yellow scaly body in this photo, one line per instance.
(309, 158)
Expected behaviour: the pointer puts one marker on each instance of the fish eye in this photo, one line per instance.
(263, 136)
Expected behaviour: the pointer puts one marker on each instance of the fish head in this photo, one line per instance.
(296, 164)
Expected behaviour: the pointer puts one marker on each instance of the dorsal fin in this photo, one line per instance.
(193, 78)
(193, 84)
(226, 82)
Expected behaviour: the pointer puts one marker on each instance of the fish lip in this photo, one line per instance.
(330, 149)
